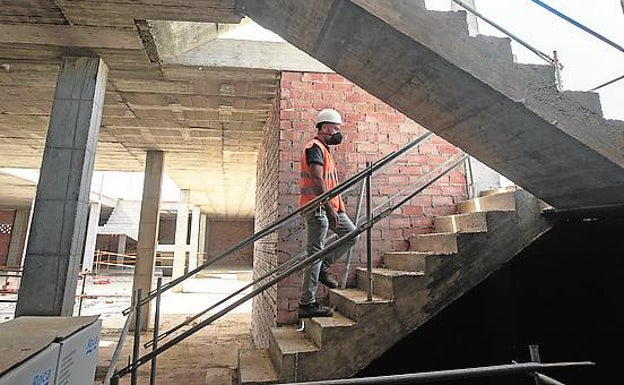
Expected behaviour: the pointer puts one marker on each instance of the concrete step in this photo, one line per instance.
(255, 367)
(218, 376)
(415, 261)
(328, 328)
(435, 243)
(497, 202)
(285, 347)
(353, 303)
(461, 223)
(389, 283)
(500, 190)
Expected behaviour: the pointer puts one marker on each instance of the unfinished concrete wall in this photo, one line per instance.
(223, 235)
(372, 130)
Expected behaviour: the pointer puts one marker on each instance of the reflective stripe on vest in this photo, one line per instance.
(330, 177)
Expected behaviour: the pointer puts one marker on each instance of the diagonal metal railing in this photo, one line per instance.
(276, 225)
(295, 264)
(298, 265)
(422, 181)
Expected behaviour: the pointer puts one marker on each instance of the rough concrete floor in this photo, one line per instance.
(208, 357)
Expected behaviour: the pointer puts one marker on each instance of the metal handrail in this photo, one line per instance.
(299, 257)
(282, 221)
(526, 45)
(447, 375)
(450, 165)
(117, 352)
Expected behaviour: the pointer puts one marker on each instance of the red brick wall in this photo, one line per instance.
(223, 235)
(264, 307)
(372, 129)
(6, 224)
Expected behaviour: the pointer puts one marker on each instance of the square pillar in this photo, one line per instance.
(148, 230)
(181, 233)
(92, 226)
(201, 251)
(56, 240)
(194, 247)
(18, 238)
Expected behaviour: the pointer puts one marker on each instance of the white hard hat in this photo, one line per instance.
(328, 115)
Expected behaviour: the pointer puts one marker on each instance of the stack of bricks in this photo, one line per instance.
(372, 129)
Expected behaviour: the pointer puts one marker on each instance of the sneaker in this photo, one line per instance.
(326, 279)
(314, 310)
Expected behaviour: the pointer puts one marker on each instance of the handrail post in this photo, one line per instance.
(137, 338)
(557, 67)
(82, 291)
(535, 357)
(343, 284)
(156, 327)
(369, 246)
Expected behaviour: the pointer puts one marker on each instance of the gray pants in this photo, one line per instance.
(317, 225)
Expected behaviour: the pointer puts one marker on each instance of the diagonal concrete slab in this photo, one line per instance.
(465, 89)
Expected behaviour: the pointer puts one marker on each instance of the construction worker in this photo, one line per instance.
(318, 175)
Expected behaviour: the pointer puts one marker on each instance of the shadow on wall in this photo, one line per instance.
(562, 293)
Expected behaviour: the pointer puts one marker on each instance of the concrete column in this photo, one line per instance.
(121, 243)
(56, 240)
(181, 233)
(121, 247)
(481, 177)
(89, 249)
(201, 250)
(18, 238)
(148, 229)
(194, 246)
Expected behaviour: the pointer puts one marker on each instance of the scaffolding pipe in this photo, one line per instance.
(446, 375)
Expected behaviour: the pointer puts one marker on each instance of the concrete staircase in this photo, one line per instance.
(468, 90)
(123, 220)
(411, 288)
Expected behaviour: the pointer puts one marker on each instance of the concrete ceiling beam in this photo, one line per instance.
(70, 36)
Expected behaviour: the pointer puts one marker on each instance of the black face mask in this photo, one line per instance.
(334, 139)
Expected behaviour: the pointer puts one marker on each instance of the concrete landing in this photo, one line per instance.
(210, 357)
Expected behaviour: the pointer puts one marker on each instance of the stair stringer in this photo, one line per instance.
(417, 297)
(510, 116)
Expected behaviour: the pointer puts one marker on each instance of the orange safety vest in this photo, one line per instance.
(330, 176)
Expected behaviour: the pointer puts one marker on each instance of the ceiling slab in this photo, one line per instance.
(209, 121)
